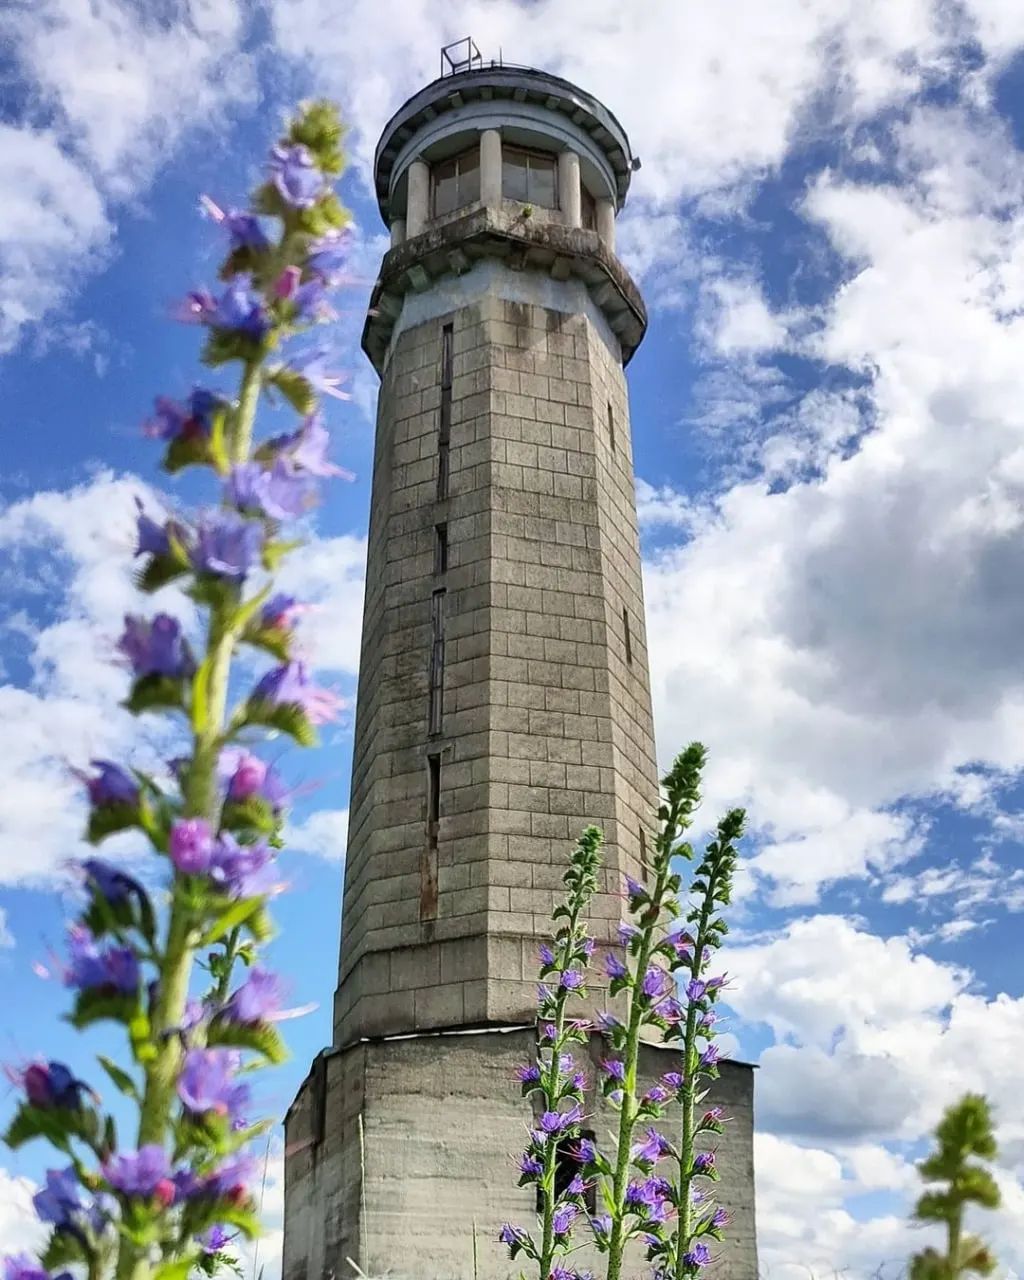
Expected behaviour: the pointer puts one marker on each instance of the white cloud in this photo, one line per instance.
(740, 321)
(328, 573)
(323, 834)
(107, 79)
(20, 1229)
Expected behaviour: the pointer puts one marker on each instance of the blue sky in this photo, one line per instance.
(828, 416)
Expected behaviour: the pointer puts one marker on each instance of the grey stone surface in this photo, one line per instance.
(400, 1151)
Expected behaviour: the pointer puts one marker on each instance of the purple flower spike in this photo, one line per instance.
(584, 1151)
(227, 545)
(208, 1084)
(571, 980)
(290, 685)
(614, 967)
(92, 968)
(328, 256)
(614, 1068)
(698, 1256)
(192, 846)
(656, 982)
(295, 175)
(653, 1147)
(257, 1000)
(530, 1166)
(710, 1056)
(529, 1074)
(112, 785)
(695, 989)
(143, 1173)
(156, 648)
(545, 955)
(673, 1079)
(703, 1161)
(282, 493)
(510, 1234)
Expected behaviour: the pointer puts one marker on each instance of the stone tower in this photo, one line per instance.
(504, 697)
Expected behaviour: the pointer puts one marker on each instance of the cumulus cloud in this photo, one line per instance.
(20, 1229)
(323, 834)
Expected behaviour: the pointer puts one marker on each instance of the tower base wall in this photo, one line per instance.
(399, 1157)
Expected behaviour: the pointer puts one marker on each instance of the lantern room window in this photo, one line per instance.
(456, 182)
(530, 177)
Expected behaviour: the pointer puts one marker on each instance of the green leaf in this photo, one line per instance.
(101, 1006)
(121, 1078)
(275, 552)
(177, 1270)
(186, 451)
(39, 1122)
(244, 912)
(287, 717)
(62, 1248)
(254, 813)
(151, 693)
(296, 389)
(109, 819)
(157, 572)
(262, 1038)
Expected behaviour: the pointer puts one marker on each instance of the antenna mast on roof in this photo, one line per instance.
(461, 55)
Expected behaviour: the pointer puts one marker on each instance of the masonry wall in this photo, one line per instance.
(546, 719)
(421, 1133)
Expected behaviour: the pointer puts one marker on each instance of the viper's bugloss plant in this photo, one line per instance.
(170, 1197)
(654, 1177)
(965, 1131)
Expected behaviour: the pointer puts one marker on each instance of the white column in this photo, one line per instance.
(490, 168)
(606, 222)
(417, 209)
(397, 231)
(569, 198)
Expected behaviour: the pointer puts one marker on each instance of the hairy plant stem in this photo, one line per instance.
(689, 1090)
(200, 801)
(547, 1251)
(955, 1230)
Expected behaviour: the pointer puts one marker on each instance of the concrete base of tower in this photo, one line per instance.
(399, 1157)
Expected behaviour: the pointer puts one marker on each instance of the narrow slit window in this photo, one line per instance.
(444, 431)
(440, 549)
(428, 865)
(567, 1167)
(611, 427)
(627, 638)
(436, 661)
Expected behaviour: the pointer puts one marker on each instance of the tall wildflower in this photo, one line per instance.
(654, 1180)
(169, 1197)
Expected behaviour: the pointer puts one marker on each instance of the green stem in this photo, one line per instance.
(201, 801)
(956, 1222)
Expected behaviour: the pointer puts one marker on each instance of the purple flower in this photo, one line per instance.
(59, 1202)
(571, 980)
(156, 648)
(657, 1094)
(530, 1166)
(227, 545)
(257, 1000)
(214, 1239)
(640, 1195)
(634, 888)
(310, 302)
(110, 883)
(548, 1031)
(566, 1064)
(112, 785)
(608, 1022)
(327, 256)
(695, 989)
(545, 955)
(19, 1266)
(240, 308)
(720, 1218)
(563, 1218)
(295, 175)
(193, 419)
(712, 1116)
(529, 1074)
(584, 1151)
(576, 1186)
(305, 448)
(312, 366)
(207, 1083)
(247, 775)
(290, 685)
(143, 1173)
(708, 1020)
(229, 1181)
(710, 1056)
(281, 612)
(653, 1147)
(670, 1009)
(558, 1121)
(282, 493)
(716, 984)
(543, 994)
(587, 948)
(703, 1161)
(614, 967)
(51, 1084)
(627, 932)
(151, 537)
(673, 1080)
(243, 871)
(244, 230)
(92, 968)
(698, 1256)
(614, 1068)
(192, 846)
(655, 982)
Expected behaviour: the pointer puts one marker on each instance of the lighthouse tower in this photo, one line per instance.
(504, 695)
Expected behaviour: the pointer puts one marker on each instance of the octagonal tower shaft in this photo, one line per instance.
(504, 697)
